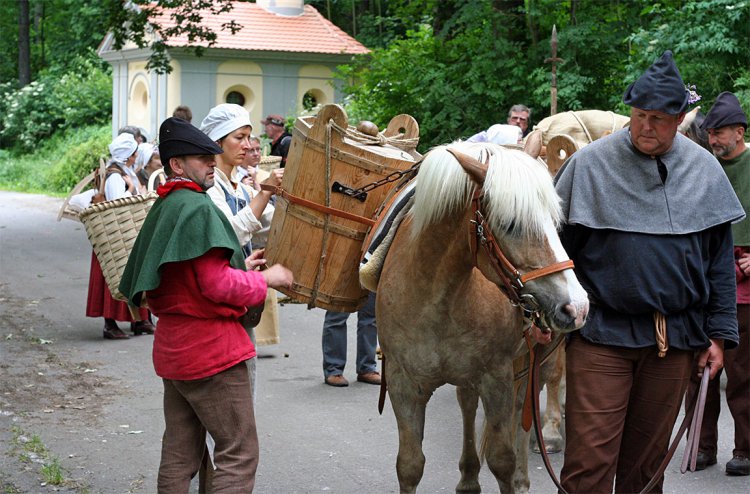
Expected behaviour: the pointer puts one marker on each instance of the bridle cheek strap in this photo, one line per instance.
(511, 278)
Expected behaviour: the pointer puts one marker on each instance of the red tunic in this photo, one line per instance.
(198, 303)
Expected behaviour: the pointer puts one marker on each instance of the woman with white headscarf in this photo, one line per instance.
(120, 182)
(147, 161)
(248, 210)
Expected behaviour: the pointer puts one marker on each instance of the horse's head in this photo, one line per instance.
(515, 220)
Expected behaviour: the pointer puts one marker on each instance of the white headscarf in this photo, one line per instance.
(122, 148)
(145, 151)
(224, 119)
(504, 134)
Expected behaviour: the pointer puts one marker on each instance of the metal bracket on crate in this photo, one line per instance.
(355, 193)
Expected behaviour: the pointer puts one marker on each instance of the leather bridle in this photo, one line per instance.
(513, 281)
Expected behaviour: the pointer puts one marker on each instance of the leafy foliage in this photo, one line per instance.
(57, 165)
(80, 96)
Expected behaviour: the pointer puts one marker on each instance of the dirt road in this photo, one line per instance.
(90, 409)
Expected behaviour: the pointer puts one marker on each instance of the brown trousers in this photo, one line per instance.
(222, 405)
(621, 406)
(737, 365)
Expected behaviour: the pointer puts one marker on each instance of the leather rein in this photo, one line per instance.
(513, 282)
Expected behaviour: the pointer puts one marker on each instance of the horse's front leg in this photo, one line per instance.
(469, 464)
(409, 401)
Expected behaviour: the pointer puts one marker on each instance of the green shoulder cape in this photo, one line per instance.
(738, 171)
(181, 226)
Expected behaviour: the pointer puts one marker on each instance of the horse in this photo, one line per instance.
(443, 312)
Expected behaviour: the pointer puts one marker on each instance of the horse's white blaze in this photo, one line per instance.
(576, 293)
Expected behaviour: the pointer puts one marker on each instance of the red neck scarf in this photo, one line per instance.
(177, 183)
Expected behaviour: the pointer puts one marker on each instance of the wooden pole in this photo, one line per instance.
(554, 60)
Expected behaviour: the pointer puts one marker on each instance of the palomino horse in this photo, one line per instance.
(442, 315)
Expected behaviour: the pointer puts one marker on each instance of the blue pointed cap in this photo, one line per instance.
(660, 88)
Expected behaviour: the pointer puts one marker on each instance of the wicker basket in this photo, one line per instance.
(269, 163)
(112, 228)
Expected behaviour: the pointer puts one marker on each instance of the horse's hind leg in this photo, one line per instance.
(409, 401)
(553, 372)
(469, 464)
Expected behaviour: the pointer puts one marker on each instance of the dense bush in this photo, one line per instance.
(80, 95)
(55, 167)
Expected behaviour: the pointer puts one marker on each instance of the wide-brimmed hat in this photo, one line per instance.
(177, 137)
(660, 88)
(726, 111)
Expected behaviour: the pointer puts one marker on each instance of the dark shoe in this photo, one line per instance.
(738, 465)
(142, 327)
(115, 333)
(338, 381)
(369, 378)
(704, 460)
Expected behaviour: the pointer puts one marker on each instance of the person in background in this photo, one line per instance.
(189, 264)
(499, 134)
(99, 302)
(147, 161)
(726, 124)
(520, 115)
(275, 127)
(134, 131)
(248, 170)
(183, 112)
(648, 216)
(335, 343)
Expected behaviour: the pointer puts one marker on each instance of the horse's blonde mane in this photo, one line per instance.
(518, 190)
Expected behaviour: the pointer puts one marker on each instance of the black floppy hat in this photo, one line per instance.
(659, 88)
(178, 137)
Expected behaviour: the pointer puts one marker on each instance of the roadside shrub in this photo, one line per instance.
(79, 96)
(80, 158)
(58, 165)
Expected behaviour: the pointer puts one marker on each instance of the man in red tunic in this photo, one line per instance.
(189, 264)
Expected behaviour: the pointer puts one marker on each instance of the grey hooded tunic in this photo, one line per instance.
(644, 242)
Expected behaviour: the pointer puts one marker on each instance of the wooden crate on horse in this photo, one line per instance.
(319, 226)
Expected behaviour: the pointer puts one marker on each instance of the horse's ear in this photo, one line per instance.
(475, 168)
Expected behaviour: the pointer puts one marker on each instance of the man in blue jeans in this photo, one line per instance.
(334, 346)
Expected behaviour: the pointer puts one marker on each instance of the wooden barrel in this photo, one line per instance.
(308, 233)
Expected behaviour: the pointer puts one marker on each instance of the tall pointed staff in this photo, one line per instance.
(554, 61)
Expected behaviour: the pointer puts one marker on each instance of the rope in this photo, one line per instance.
(585, 130)
(660, 324)
(398, 141)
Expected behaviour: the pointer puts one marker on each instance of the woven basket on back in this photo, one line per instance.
(269, 163)
(112, 228)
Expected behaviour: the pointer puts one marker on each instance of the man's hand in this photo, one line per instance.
(713, 355)
(255, 260)
(277, 276)
(744, 263)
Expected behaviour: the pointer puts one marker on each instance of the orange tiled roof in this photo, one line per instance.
(265, 31)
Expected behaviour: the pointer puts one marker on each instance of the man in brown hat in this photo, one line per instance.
(648, 216)
(275, 126)
(726, 124)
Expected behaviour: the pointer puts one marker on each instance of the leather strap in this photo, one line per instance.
(314, 205)
(690, 457)
(383, 384)
(552, 268)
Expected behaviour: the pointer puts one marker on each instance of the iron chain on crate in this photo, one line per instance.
(361, 193)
